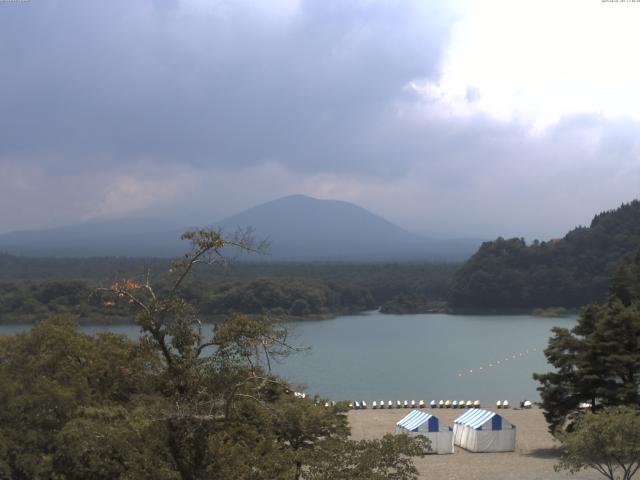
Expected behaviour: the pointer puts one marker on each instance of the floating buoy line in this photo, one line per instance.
(507, 359)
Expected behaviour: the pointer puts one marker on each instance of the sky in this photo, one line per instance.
(450, 118)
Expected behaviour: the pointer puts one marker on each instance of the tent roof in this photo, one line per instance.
(475, 418)
(414, 420)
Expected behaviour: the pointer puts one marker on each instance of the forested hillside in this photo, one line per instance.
(567, 272)
(35, 288)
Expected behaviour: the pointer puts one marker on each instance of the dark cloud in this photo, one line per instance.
(168, 106)
(92, 82)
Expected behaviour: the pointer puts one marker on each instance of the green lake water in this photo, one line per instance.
(373, 356)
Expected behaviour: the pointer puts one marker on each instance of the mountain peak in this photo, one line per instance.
(298, 227)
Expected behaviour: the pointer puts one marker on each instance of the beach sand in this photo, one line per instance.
(534, 458)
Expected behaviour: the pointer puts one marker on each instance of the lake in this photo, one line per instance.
(374, 356)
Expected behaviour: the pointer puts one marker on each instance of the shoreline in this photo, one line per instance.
(216, 318)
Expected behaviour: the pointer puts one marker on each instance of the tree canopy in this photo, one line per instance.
(598, 361)
(608, 442)
(567, 272)
(182, 403)
(35, 288)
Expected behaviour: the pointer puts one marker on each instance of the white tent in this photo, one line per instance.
(484, 431)
(422, 423)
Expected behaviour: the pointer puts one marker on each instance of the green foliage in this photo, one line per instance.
(567, 272)
(180, 403)
(607, 441)
(598, 361)
(550, 312)
(47, 375)
(283, 296)
(408, 304)
(386, 459)
(45, 288)
(106, 443)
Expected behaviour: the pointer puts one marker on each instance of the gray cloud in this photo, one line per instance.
(119, 81)
(199, 110)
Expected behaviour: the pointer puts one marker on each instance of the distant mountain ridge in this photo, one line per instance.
(119, 238)
(568, 272)
(299, 228)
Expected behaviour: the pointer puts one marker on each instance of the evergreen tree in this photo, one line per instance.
(598, 361)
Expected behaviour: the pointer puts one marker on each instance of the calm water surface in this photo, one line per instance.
(374, 356)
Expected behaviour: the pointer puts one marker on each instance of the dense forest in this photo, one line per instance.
(503, 274)
(34, 288)
(567, 272)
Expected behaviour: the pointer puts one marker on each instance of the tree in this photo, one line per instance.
(567, 272)
(607, 441)
(386, 459)
(233, 417)
(182, 403)
(299, 307)
(48, 375)
(109, 442)
(304, 425)
(598, 361)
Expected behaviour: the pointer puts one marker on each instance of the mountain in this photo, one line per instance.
(304, 228)
(299, 228)
(139, 237)
(567, 272)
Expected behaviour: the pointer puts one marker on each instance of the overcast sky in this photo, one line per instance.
(453, 118)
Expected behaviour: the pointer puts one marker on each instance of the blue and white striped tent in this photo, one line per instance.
(484, 431)
(423, 423)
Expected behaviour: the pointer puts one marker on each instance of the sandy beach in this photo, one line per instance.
(534, 458)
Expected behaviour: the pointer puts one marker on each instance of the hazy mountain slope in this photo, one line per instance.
(305, 228)
(568, 272)
(299, 228)
(122, 237)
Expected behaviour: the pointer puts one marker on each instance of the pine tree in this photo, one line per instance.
(598, 361)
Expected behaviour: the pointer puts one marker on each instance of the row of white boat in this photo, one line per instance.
(421, 403)
(432, 404)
